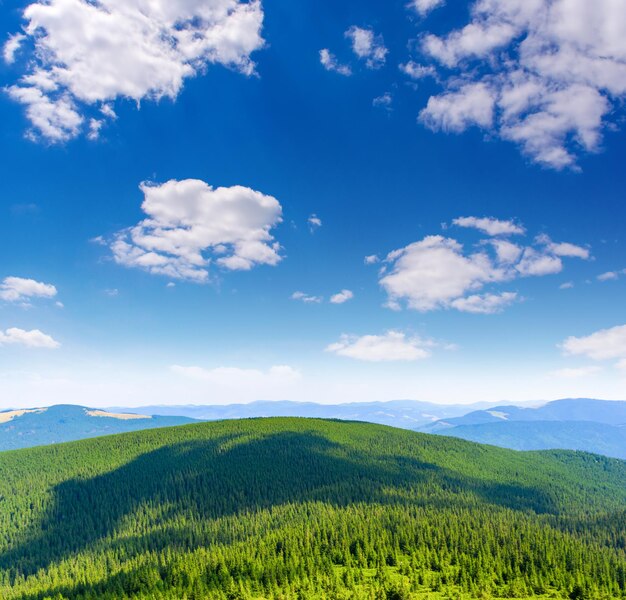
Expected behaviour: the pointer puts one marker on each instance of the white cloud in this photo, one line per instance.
(608, 276)
(112, 292)
(385, 101)
(436, 272)
(314, 222)
(372, 259)
(31, 339)
(433, 272)
(486, 304)
(11, 46)
(234, 377)
(576, 372)
(571, 250)
(416, 71)
(568, 285)
(605, 344)
(95, 125)
(611, 275)
(537, 263)
(306, 298)
(18, 289)
(506, 252)
(188, 220)
(564, 248)
(490, 226)
(330, 63)
(423, 7)
(98, 240)
(546, 74)
(56, 120)
(367, 46)
(88, 54)
(456, 110)
(341, 297)
(392, 346)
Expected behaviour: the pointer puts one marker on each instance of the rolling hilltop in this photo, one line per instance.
(307, 509)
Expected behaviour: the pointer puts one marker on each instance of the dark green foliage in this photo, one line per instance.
(307, 509)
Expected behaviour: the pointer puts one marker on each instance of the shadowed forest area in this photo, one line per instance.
(298, 508)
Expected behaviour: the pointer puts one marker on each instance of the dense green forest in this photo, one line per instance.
(307, 509)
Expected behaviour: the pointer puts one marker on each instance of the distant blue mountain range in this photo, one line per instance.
(575, 424)
(406, 414)
(66, 422)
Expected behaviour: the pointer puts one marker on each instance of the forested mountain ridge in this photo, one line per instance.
(301, 508)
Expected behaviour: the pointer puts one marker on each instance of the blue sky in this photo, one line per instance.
(414, 116)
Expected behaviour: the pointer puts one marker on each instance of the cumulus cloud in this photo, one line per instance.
(455, 111)
(563, 248)
(537, 263)
(384, 101)
(341, 297)
(18, 289)
(611, 275)
(608, 276)
(11, 46)
(306, 298)
(314, 222)
(31, 339)
(486, 304)
(416, 71)
(87, 54)
(372, 259)
(490, 226)
(392, 346)
(433, 272)
(368, 46)
(506, 252)
(545, 74)
(330, 63)
(189, 225)
(605, 344)
(423, 7)
(438, 273)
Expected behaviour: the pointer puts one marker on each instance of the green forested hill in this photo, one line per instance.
(298, 508)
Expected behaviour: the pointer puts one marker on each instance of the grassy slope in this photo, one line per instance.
(77, 518)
